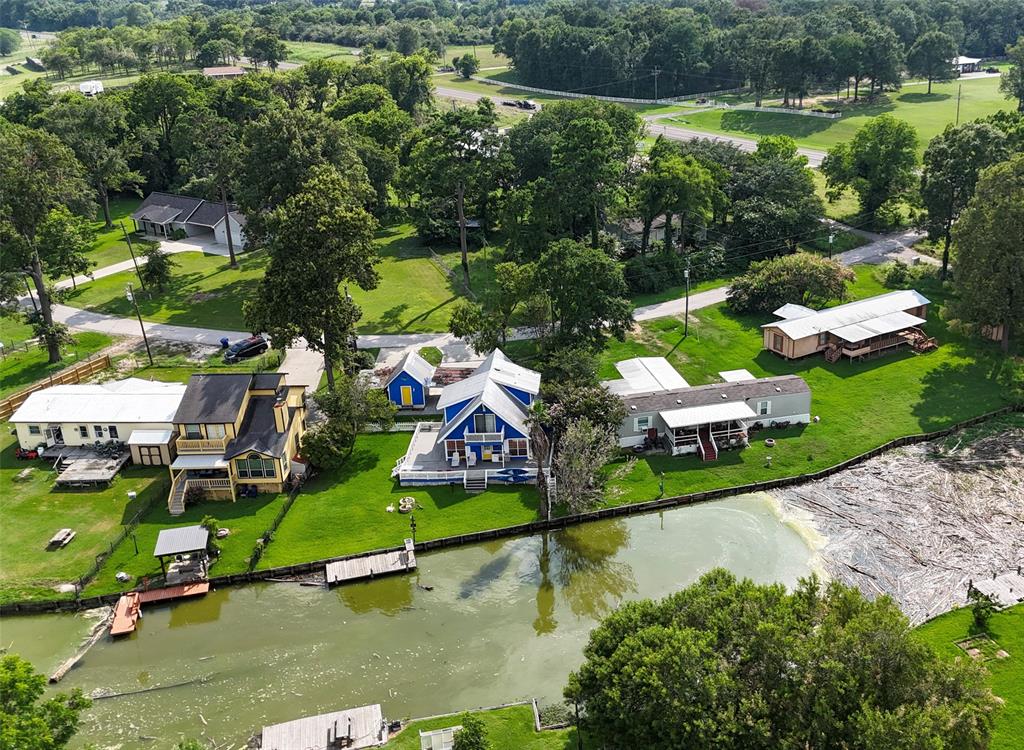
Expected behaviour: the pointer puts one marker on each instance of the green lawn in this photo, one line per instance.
(33, 510)
(204, 292)
(1006, 676)
(343, 512)
(413, 296)
(861, 404)
(110, 246)
(928, 113)
(507, 729)
(247, 518)
(484, 53)
(172, 365)
(846, 208)
(302, 52)
(10, 83)
(21, 366)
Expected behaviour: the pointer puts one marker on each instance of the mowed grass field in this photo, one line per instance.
(32, 510)
(861, 404)
(303, 52)
(342, 512)
(23, 364)
(484, 53)
(928, 113)
(1006, 676)
(507, 729)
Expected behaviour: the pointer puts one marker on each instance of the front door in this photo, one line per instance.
(406, 395)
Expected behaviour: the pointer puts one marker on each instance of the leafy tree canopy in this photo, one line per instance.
(27, 721)
(802, 278)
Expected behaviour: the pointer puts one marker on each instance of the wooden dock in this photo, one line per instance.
(129, 607)
(352, 728)
(371, 566)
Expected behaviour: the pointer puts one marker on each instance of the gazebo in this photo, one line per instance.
(186, 546)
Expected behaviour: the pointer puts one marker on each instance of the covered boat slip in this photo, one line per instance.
(352, 728)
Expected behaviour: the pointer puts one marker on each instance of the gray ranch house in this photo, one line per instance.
(702, 419)
(161, 214)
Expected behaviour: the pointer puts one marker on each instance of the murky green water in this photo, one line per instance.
(505, 620)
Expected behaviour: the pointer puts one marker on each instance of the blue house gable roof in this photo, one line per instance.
(458, 430)
(413, 372)
(394, 389)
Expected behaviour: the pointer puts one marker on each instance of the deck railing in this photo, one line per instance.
(202, 446)
(211, 483)
(485, 437)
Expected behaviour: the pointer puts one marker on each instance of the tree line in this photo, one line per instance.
(651, 49)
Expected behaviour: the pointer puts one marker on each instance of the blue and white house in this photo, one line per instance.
(407, 386)
(483, 435)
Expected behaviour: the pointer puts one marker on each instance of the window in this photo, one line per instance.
(83, 431)
(97, 430)
(518, 448)
(641, 424)
(112, 431)
(214, 431)
(484, 423)
(764, 408)
(454, 446)
(255, 467)
(193, 432)
(777, 342)
(33, 429)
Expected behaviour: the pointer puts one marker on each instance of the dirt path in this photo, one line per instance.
(919, 522)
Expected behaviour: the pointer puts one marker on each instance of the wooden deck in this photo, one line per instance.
(364, 725)
(371, 566)
(129, 607)
(81, 472)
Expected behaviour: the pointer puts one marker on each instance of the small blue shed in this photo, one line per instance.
(408, 383)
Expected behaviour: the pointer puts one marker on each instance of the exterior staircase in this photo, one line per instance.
(708, 449)
(61, 464)
(176, 500)
(476, 483)
(833, 353)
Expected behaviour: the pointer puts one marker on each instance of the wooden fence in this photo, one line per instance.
(74, 374)
(554, 524)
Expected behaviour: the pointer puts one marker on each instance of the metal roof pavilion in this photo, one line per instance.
(180, 541)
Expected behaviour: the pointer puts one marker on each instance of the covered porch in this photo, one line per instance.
(209, 474)
(707, 429)
(875, 336)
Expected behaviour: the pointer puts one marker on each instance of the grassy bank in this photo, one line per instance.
(24, 364)
(507, 729)
(33, 510)
(1006, 676)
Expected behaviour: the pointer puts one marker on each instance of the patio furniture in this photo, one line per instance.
(61, 538)
(471, 458)
(495, 458)
(455, 460)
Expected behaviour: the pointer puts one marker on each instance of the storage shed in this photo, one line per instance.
(408, 383)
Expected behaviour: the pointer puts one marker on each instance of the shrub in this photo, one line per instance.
(802, 278)
(896, 274)
(647, 274)
(982, 608)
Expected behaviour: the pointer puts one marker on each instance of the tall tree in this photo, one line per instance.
(349, 408)
(67, 238)
(38, 174)
(156, 103)
(883, 57)
(990, 254)
(97, 130)
(1011, 82)
(877, 163)
(584, 169)
(582, 453)
(731, 664)
(456, 158)
(931, 57)
(952, 162)
(29, 721)
(318, 239)
(212, 147)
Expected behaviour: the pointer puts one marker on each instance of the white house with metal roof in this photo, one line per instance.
(855, 330)
(133, 411)
(665, 413)
(484, 432)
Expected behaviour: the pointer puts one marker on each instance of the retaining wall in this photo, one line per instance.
(533, 527)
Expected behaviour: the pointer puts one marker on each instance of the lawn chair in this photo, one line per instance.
(455, 460)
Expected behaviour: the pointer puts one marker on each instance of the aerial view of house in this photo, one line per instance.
(163, 214)
(484, 434)
(663, 412)
(855, 330)
(236, 434)
(409, 383)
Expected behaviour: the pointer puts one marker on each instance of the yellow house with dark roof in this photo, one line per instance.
(236, 434)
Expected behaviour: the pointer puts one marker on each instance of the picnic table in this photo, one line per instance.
(62, 538)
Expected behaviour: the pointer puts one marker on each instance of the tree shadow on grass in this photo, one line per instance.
(764, 123)
(923, 98)
(953, 393)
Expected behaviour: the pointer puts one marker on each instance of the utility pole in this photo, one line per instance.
(686, 315)
(657, 72)
(959, 91)
(131, 250)
(131, 298)
(831, 239)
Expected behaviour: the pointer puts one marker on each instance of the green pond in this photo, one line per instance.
(504, 620)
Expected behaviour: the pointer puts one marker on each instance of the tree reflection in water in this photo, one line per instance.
(582, 562)
(388, 595)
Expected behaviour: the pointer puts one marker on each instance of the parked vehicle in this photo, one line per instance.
(250, 347)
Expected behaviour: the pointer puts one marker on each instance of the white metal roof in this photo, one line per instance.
(495, 368)
(149, 437)
(439, 739)
(416, 366)
(119, 402)
(964, 60)
(833, 318)
(735, 376)
(695, 415)
(645, 375)
(494, 397)
(181, 539)
(199, 462)
(791, 311)
(894, 321)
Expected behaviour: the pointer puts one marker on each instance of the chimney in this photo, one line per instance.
(281, 413)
